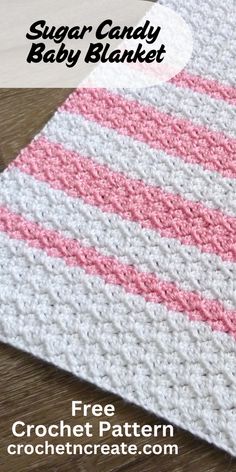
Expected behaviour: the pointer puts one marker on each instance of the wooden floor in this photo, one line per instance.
(37, 393)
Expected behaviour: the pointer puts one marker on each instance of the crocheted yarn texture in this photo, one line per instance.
(117, 238)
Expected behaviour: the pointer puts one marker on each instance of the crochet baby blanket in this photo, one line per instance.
(118, 232)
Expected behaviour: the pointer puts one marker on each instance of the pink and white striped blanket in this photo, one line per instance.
(118, 237)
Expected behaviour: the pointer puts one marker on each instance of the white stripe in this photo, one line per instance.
(111, 235)
(156, 358)
(214, 36)
(188, 104)
(138, 160)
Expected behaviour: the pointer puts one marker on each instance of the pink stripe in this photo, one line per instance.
(152, 207)
(208, 86)
(114, 272)
(178, 137)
